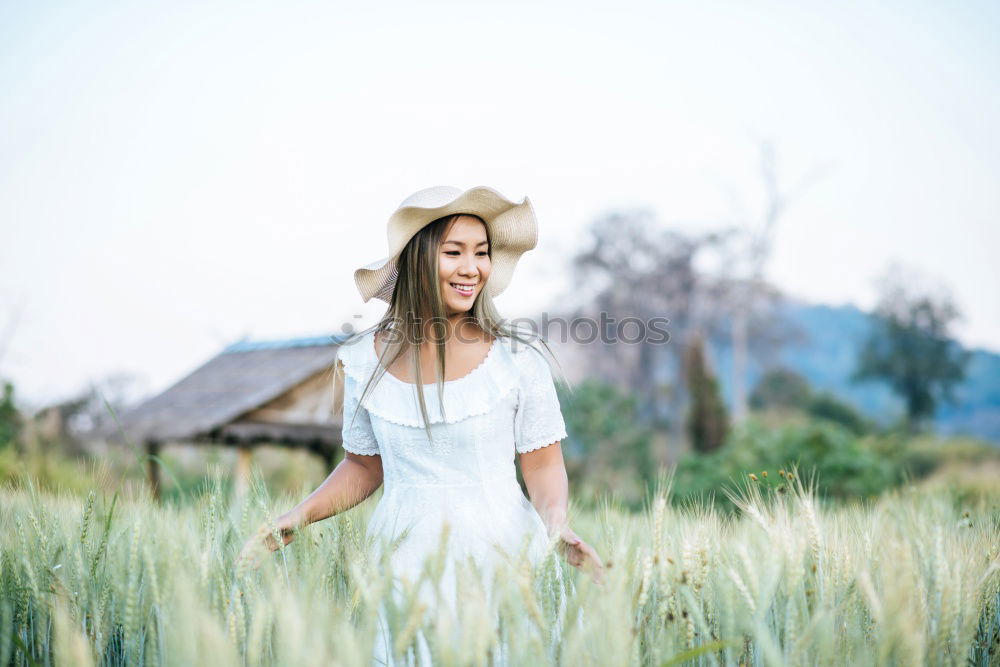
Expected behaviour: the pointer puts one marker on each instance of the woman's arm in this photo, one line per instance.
(354, 479)
(544, 473)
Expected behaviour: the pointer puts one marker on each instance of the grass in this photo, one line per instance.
(912, 577)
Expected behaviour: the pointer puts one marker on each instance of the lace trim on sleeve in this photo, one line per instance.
(357, 435)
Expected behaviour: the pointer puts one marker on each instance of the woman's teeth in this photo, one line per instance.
(465, 290)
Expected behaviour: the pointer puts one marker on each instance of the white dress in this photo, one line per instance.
(465, 476)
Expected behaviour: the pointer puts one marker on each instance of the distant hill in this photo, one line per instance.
(833, 336)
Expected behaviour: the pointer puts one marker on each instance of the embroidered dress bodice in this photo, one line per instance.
(465, 474)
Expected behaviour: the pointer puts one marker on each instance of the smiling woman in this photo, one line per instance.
(448, 465)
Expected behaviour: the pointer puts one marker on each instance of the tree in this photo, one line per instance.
(631, 267)
(10, 418)
(707, 422)
(744, 269)
(910, 347)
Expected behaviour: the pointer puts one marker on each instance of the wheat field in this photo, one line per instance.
(910, 578)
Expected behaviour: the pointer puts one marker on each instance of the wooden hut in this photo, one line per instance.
(273, 392)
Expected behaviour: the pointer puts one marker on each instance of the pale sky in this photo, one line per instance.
(176, 176)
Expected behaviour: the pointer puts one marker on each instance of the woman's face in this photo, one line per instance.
(463, 264)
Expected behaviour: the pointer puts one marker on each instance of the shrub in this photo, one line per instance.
(846, 465)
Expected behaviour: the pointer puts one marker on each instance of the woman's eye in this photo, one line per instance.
(482, 252)
(451, 252)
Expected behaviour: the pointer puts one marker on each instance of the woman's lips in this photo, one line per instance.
(464, 292)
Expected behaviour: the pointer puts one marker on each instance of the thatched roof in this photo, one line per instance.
(210, 402)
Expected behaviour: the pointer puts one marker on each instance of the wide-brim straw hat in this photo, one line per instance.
(511, 225)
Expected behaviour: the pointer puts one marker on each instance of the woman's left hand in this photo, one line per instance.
(581, 555)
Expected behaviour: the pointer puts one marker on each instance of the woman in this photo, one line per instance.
(448, 459)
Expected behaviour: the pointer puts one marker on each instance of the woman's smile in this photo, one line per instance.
(465, 289)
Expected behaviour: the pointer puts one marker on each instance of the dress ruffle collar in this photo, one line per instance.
(396, 401)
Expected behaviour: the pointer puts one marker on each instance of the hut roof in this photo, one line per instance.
(242, 377)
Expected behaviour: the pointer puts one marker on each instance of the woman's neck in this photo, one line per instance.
(460, 328)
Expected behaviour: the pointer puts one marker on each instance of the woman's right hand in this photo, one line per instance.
(263, 540)
(581, 555)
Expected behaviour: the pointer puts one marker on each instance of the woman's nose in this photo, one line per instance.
(468, 267)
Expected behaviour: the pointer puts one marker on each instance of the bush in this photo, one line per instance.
(827, 406)
(846, 466)
(787, 391)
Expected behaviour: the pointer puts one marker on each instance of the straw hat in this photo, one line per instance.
(511, 226)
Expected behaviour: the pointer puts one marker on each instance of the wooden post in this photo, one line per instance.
(153, 468)
(241, 476)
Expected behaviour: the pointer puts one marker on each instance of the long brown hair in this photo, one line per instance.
(417, 303)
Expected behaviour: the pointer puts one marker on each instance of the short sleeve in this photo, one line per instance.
(539, 421)
(357, 434)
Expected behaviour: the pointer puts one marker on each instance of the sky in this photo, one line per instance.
(178, 176)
